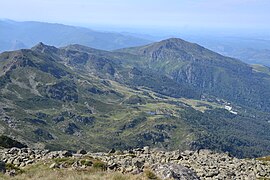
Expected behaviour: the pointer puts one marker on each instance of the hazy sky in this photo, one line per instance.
(142, 13)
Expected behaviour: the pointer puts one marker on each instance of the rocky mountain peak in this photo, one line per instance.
(177, 45)
(82, 48)
(174, 42)
(174, 48)
(43, 48)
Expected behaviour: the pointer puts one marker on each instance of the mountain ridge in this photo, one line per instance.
(18, 35)
(77, 97)
(202, 68)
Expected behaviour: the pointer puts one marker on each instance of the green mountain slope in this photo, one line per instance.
(207, 71)
(78, 97)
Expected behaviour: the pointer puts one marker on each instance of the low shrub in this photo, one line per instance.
(100, 165)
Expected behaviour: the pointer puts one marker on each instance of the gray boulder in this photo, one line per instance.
(174, 171)
(81, 151)
(65, 154)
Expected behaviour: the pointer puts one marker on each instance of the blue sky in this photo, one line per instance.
(143, 13)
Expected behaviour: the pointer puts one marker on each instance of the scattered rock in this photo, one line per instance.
(137, 162)
(54, 165)
(12, 172)
(29, 162)
(113, 166)
(81, 151)
(203, 164)
(14, 150)
(112, 151)
(146, 149)
(174, 171)
(66, 154)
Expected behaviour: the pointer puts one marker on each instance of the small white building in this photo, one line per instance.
(229, 108)
(234, 112)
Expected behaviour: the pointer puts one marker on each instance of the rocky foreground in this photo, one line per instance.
(203, 164)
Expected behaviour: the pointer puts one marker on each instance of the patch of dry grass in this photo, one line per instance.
(267, 158)
(67, 174)
(41, 171)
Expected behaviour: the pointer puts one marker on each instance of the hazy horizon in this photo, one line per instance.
(146, 16)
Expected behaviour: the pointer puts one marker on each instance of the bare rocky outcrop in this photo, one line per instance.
(174, 171)
(203, 164)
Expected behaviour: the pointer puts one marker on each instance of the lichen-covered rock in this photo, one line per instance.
(146, 149)
(174, 171)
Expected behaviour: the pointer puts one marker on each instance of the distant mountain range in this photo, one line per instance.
(171, 94)
(250, 50)
(17, 35)
(252, 56)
